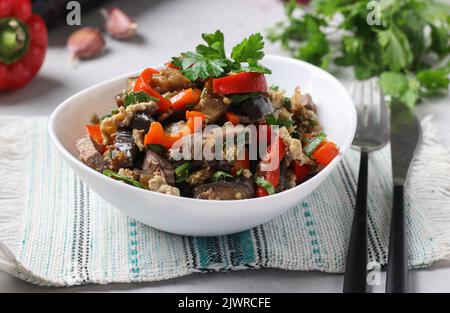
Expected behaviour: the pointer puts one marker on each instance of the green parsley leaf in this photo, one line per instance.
(210, 60)
(434, 81)
(137, 97)
(396, 51)
(272, 120)
(250, 51)
(265, 184)
(242, 97)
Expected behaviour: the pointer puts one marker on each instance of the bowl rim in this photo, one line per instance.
(324, 172)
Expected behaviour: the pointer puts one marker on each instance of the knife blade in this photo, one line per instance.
(405, 137)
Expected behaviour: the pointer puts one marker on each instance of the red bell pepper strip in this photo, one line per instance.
(244, 82)
(241, 164)
(300, 171)
(265, 130)
(325, 152)
(156, 134)
(95, 133)
(190, 121)
(23, 43)
(232, 118)
(143, 84)
(185, 97)
(275, 150)
(261, 192)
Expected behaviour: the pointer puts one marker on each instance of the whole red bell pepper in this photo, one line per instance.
(23, 43)
(244, 82)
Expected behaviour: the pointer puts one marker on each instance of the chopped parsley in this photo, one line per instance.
(182, 172)
(137, 97)
(265, 184)
(272, 120)
(123, 178)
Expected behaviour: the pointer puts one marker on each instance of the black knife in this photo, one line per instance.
(405, 136)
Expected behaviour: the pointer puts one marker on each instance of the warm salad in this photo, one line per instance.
(207, 126)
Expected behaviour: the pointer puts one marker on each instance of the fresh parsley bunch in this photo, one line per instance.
(401, 49)
(210, 59)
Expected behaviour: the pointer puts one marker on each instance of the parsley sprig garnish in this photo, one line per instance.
(403, 47)
(210, 60)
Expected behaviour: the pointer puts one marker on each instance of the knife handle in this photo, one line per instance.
(397, 268)
(356, 266)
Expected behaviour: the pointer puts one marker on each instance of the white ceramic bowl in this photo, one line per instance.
(205, 217)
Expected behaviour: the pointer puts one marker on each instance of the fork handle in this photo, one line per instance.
(356, 265)
(397, 268)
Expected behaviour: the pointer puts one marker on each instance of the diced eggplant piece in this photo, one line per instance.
(212, 106)
(141, 121)
(124, 143)
(224, 190)
(287, 178)
(225, 166)
(169, 79)
(255, 108)
(153, 162)
(89, 154)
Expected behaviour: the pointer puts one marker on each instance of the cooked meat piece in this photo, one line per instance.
(123, 118)
(308, 103)
(89, 154)
(287, 178)
(277, 97)
(141, 121)
(304, 111)
(158, 183)
(124, 142)
(255, 108)
(224, 190)
(293, 146)
(120, 99)
(169, 79)
(199, 177)
(153, 163)
(213, 106)
(133, 174)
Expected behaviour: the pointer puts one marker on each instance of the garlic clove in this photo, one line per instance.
(118, 24)
(85, 43)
